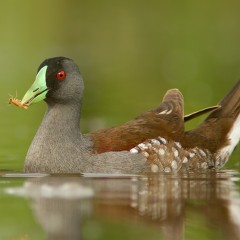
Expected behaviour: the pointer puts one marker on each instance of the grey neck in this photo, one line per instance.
(58, 145)
(62, 120)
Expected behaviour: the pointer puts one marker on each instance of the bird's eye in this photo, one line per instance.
(61, 75)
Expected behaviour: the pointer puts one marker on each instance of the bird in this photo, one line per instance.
(154, 141)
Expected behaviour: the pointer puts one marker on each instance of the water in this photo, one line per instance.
(129, 47)
(163, 206)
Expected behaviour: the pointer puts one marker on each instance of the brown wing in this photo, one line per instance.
(166, 120)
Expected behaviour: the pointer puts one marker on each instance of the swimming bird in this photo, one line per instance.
(154, 141)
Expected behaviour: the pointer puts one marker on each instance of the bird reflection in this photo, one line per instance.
(62, 204)
(168, 200)
(59, 203)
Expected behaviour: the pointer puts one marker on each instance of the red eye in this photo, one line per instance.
(61, 75)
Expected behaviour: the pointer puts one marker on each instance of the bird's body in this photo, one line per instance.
(154, 141)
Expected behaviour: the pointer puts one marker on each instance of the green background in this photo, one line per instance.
(129, 53)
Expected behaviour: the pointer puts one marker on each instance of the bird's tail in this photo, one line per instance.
(220, 131)
(230, 105)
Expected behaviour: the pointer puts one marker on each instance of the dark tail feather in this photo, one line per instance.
(230, 105)
(200, 112)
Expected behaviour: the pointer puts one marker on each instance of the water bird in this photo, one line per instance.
(155, 141)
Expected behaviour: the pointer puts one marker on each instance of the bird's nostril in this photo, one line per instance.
(35, 89)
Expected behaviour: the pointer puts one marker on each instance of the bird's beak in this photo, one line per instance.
(38, 90)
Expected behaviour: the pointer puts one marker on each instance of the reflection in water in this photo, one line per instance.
(168, 202)
(59, 204)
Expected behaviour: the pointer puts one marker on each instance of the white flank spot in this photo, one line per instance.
(133, 150)
(234, 137)
(163, 140)
(154, 141)
(161, 151)
(154, 149)
(146, 154)
(178, 144)
(191, 154)
(175, 152)
(148, 145)
(142, 146)
(185, 160)
(202, 153)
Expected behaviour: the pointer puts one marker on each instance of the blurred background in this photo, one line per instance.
(129, 53)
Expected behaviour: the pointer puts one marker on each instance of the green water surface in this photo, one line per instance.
(130, 53)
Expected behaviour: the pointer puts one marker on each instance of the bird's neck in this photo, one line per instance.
(57, 141)
(62, 119)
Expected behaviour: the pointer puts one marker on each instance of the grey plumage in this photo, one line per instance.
(59, 146)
